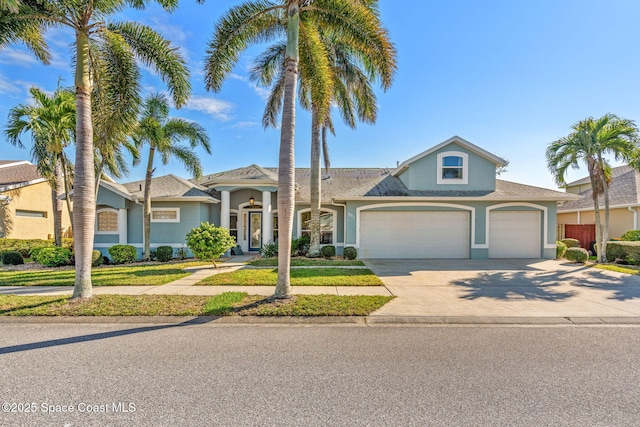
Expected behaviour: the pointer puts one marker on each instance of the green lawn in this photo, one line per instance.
(308, 262)
(135, 275)
(629, 269)
(299, 277)
(228, 303)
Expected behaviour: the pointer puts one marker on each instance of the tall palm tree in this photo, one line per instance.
(51, 121)
(26, 21)
(163, 133)
(351, 73)
(262, 20)
(589, 142)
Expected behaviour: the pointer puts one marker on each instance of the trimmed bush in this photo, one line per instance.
(269, 250)
(631, 236)
(164, 253)
(122, 254)
(96, 258)
(209, 241)
(328, 251)
(578, 255)
(628, 251)
(24, 246)
(53, 257)
(12, 258)
(561, 248)
(350, 252)
(571, 243)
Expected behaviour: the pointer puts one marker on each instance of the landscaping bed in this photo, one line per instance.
(299, 277)
(226, 304)
(310, 262)
(628, 269)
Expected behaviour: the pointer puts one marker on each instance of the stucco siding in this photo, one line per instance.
(620, 220)
(107, 197)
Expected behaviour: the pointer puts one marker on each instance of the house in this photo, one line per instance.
(27, 203)
(443, 203)
(577, 218)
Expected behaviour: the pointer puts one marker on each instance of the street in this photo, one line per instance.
(317, 375)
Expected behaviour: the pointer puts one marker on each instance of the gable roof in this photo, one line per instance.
(454, 139)
(18, 173)
(624, 190)
(252, 174)
(171, 187)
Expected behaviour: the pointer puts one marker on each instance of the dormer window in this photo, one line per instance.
(453, 168)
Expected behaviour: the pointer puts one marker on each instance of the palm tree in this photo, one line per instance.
(589, 142)
(26, 22)
(162, 134)
(261, 20)
(51, 120)
(351, 93)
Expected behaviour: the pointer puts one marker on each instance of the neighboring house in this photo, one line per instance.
(443, 203)
(27, 203)
(624, 205)
(177, 206)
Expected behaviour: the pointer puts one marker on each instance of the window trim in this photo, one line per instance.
(333, 222)
(465, 168)
(99, 211)
(176, 210)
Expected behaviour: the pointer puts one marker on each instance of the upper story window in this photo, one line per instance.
(107, 221)
(453, 168)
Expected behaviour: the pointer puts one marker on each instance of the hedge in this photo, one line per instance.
(571, 243)
(576, 255)
(53, 257)
(631, 236)
(122, 254)
(11, 258)
(164, 253)
(25, 246)
(561, 249)
(628, 251)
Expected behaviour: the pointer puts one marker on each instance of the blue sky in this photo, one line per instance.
(509, 76)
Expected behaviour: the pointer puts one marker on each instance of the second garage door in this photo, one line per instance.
(514, 234)
(414, 234)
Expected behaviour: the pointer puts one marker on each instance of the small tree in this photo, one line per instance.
(209, 241)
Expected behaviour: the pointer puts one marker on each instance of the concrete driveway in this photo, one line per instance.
(505, 289)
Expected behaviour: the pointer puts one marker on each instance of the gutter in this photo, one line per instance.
(635, 217)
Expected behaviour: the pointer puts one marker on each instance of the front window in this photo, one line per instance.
(326, 226)
(275, 228)
(165, 214)
(452, 167)
(107, 222)
(233, 225)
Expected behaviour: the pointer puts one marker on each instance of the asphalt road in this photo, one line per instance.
(160, 375)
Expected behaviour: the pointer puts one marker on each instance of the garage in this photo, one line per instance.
(414, 234)
(514, 234)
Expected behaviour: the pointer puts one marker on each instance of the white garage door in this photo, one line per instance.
(514, 234)
(414, 234)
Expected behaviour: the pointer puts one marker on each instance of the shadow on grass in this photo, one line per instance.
(102, 335)
(26, 307)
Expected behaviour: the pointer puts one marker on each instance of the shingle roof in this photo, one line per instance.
(15, 173)
(615, 172)
(250, 173)
(168, 186)
(623, 190)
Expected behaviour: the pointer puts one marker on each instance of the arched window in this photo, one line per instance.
(453, 168)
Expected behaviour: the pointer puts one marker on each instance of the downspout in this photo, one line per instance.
(635, 217)
(344, 220)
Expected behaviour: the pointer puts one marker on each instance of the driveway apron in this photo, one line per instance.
(505, 288)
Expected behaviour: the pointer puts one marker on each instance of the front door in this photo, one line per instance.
(255, 231)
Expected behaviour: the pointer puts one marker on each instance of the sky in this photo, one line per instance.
(510, 76)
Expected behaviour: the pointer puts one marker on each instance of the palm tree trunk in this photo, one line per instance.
(286, 165)
(147, 205)
(66, 188)
(315, 183)
(605, 228)
(99, 177)
(57, 203)
(84, 204)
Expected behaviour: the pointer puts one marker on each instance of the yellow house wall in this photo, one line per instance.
(620, 220)
(36, 197)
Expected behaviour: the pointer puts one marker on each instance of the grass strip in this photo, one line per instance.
(228, 303)
(299, 277)
(308, 262)
(628, 269)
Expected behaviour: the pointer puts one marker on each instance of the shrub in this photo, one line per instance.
(561, 248)
(209, 241)
(53, 257)
(300, 246)
(571, 243)
(578, 255)
(24, 246)
(122, 254)
(628, 251)
(12, 258)
(269, 250)
(96, 258)
(36, 250)
(350, 252)
(164, 253)
(631, 236)
(328, 251)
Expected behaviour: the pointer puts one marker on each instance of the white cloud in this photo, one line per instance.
(14, 87)
(17, 57)
(263, 93)
(243, 125)
(216, 108)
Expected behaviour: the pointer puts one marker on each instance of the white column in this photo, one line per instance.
(224, 208)
(267, 222)
(122, 226)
